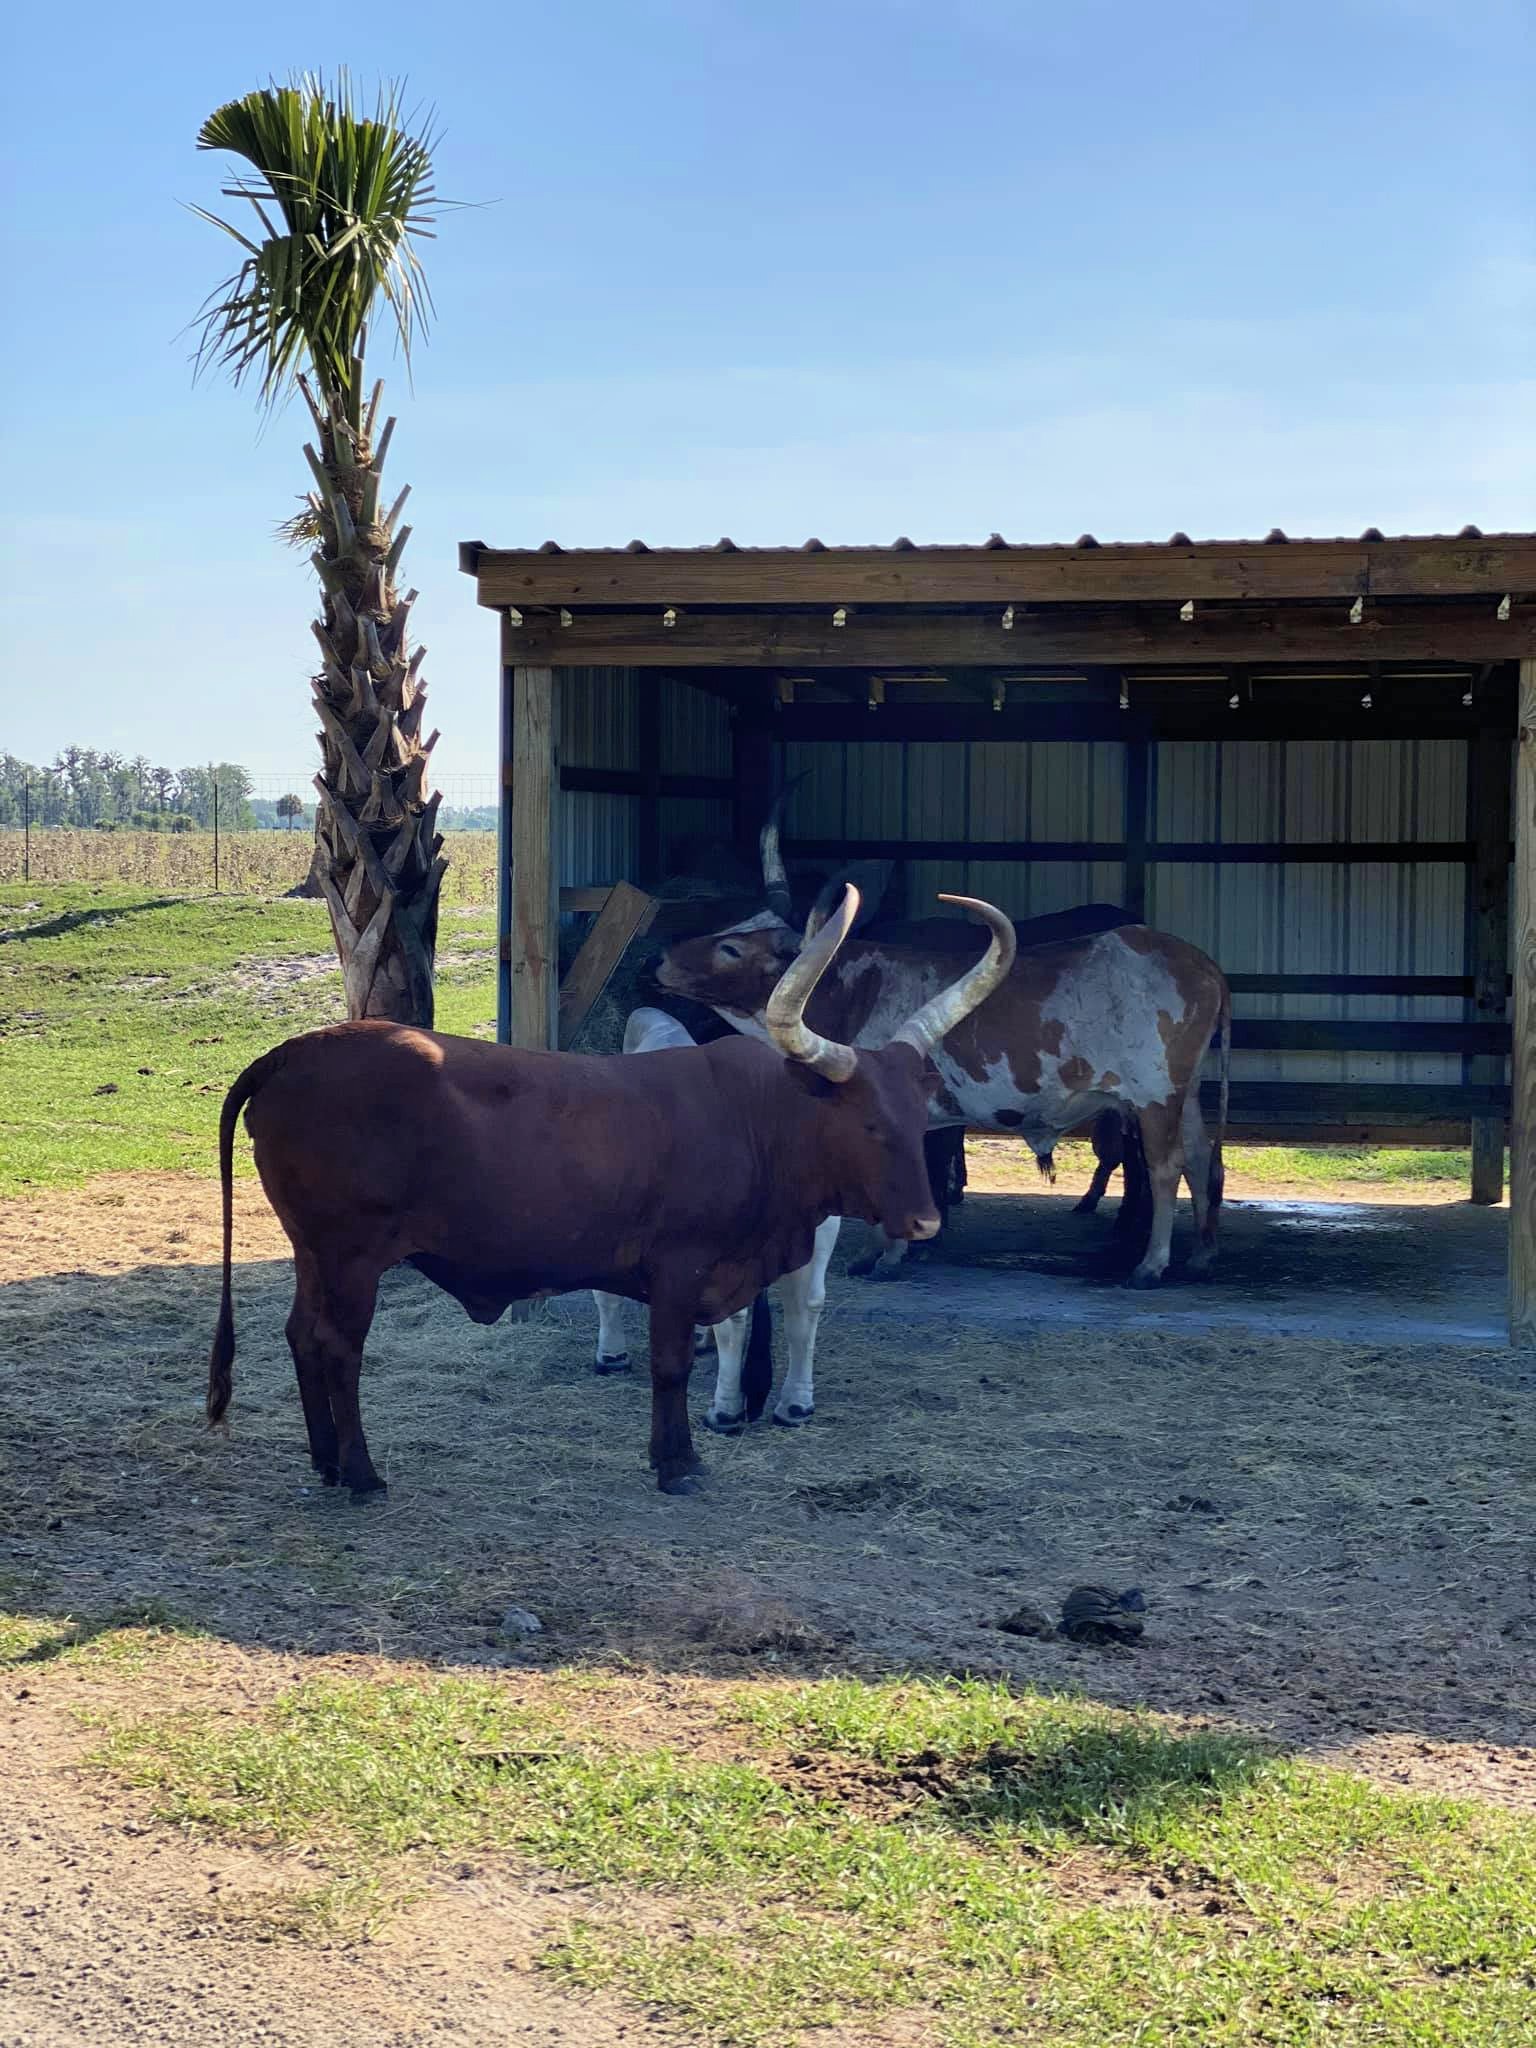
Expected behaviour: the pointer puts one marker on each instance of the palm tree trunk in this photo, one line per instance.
(378, 856)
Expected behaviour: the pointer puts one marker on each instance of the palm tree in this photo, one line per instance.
(290, 807)
(339, 195)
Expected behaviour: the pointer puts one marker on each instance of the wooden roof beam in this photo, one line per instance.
(789, 642)
(1173, 574)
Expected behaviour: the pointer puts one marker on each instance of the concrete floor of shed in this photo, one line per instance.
(1351, 1271)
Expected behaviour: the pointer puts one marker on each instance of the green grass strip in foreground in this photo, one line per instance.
(1061, 1874)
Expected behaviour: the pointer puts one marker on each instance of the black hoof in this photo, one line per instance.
(606, 1364)
(701, 1343)
(682, 1482)
(329, 1476)
(860, 1269)
(1086, 1206)
(725, 1425)
(793, 1418)
(1144, 1281)
(370, 1490)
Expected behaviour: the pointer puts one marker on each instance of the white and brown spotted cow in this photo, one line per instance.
(1117, 1021)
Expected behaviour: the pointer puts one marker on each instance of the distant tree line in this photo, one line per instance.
(105, 792)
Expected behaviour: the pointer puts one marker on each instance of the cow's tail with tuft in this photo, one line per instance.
(757, 1366)
(221, 1359)
(1218, 1180)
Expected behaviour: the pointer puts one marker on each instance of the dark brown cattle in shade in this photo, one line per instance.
(506, 1175)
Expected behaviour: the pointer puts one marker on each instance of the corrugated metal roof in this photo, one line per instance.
(470, 550)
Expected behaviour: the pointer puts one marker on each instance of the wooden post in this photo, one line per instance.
(1488, 961)
(534, 880)
(648, 835)
(1138, 824)
(504, 870)
(752, 754)
(1522, 1122)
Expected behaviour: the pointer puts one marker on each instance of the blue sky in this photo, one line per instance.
(855, 269)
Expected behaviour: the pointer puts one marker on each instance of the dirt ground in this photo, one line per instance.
(1333, 1539)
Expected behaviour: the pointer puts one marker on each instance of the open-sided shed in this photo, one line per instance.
(1299, 754)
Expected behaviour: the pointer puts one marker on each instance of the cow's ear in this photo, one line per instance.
(870, 877)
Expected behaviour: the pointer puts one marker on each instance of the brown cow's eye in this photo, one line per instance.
(731, 952)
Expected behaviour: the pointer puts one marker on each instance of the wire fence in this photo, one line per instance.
(251, 835)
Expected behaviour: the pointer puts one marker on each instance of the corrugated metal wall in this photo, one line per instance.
(1327, 918)
(1254, 918)
(1349, 918)
(600, 728)
(695, 740)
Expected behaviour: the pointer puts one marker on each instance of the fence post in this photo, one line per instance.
(26, 830)
(215, 838)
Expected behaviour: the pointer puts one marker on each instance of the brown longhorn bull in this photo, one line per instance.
(505, 1175)
(1118, 1021)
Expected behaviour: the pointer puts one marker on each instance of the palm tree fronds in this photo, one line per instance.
(339, 196)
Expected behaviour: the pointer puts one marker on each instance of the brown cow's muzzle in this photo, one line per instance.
(921, 1228)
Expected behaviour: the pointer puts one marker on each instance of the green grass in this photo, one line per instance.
(1058, 1873)
(1319, 1166)
(124, 1640)
(124, 1016)
(1327, 1165)
(100, 981)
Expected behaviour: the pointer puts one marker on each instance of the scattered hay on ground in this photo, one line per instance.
(1364, 1592)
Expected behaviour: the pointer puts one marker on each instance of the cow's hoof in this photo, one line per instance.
(1143, 1280)
(329, 1476)
(792, 1418)
(701, 1342)
(1086, 1206)
(860, 1269)
(369, 1490)
(608, 1362)
(682, 1482)
(725, 1425)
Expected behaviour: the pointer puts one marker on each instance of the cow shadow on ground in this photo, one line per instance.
(1328, 1535)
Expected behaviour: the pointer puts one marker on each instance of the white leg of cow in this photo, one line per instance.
(1199, 1154)
(1163, 1142)
(612, 1348)
(803, 1294)
(727, 1412)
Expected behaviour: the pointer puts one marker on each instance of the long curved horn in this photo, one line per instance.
(775, 879)
(939, 1016)
(785, 1015)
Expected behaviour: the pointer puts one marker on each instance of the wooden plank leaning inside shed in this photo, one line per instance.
(627, 914)
(1310, 652)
